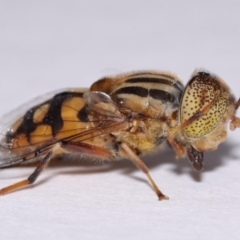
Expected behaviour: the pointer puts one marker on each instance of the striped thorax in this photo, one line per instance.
(151, 99)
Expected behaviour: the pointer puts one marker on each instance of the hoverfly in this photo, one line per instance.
(123, 116)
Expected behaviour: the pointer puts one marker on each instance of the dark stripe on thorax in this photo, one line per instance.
(161, 95)
(143, 92)
(177, 84)
(139, 91)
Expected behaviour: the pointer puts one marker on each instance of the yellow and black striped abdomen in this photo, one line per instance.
(58, 118)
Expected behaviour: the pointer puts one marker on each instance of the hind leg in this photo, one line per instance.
(31, 179)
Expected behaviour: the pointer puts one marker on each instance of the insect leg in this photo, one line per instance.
(90, 150)
(87, 149)
(140, 164)
(31, 179)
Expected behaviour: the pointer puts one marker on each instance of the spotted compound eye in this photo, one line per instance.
(202, 90)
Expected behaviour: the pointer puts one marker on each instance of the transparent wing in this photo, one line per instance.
(72, 115)
(11, 117)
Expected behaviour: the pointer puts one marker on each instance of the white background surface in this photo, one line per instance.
(47, 45)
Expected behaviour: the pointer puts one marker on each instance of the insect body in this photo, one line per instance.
(123, 116)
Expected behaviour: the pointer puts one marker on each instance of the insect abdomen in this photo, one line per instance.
(62, 116)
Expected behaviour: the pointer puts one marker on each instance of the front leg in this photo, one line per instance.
(85, 149)
(140, 164)
(101, 153)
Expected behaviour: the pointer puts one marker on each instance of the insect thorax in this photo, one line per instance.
(153, 101)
